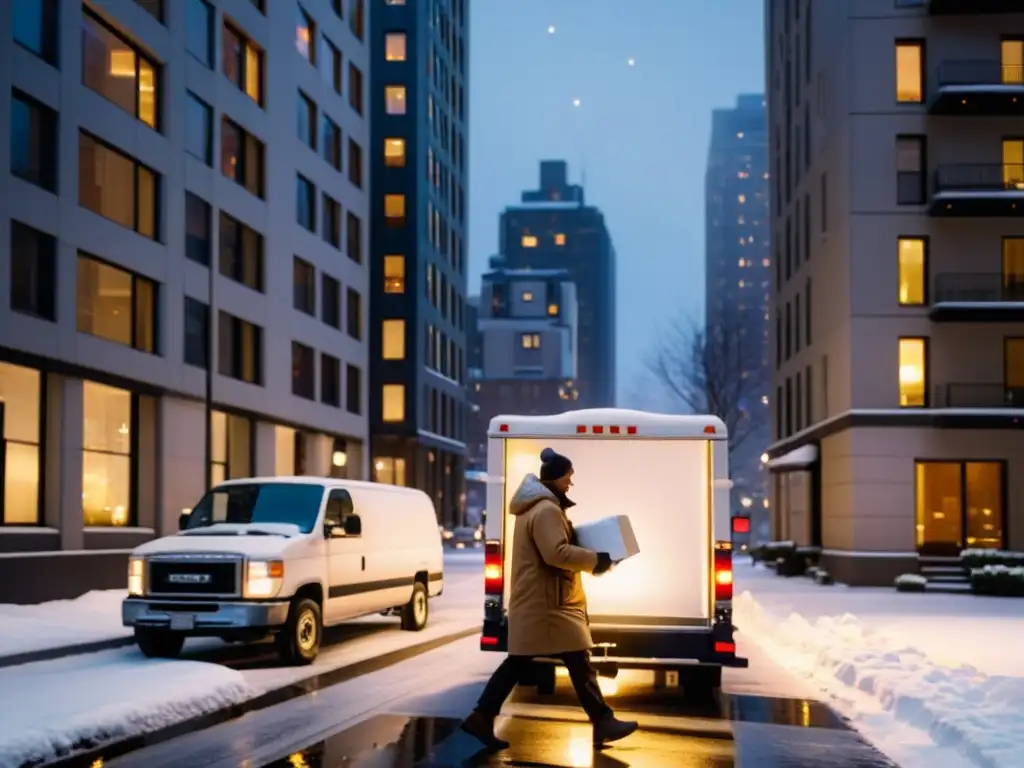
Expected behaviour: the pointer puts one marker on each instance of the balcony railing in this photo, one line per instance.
(978, 288)
(978, 72)
(980, 177)
(978, 396)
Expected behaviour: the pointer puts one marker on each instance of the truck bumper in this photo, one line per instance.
(199, 619)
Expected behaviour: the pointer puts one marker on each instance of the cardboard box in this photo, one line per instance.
(613, 535)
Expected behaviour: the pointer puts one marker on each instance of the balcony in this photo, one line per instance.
(977, 88)
(990, 190)
(966, 7)
(977, 297)
(970, 396)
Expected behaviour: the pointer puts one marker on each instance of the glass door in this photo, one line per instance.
(1012, 56)
(940, 508)
(1013, 372)
(983, 524)
(1013, 163)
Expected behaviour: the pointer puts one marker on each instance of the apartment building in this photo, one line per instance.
(419, 221)
(898, 344)
(183, 247)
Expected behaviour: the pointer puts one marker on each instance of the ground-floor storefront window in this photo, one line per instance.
(389, 470)
(107, 442)
(231, 452)
(20, 440)
(959, 504)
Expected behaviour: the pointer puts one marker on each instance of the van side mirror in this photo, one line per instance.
(183, 521)
(353, 526)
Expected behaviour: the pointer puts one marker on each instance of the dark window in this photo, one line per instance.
(197, 332)
(305, 202)
(809, 390)
(118, 187)
(789, 407)
(33, 141)
(303, 371)
(354, 237)
(198, 224)
(332, 66)
(798, 401)
(241, 252)
(259, 5)
(154, 8)
(355, 163)
(241, 156)
(355, 88)
(36, 27)
(198, 128)
(354, 319)
(910, 170)
(330, 292)
(353, 389)
(824, 202)
(778, 413)
(332, 142)
(242, 63)
(357, 18)
(33, 271)
(117, 70)
(199, 31)
(116, 305)
(807, 311)
(331, 221)
(239, 349)
(788, 343)
(303, 286)
(330, 380)
(307, 120)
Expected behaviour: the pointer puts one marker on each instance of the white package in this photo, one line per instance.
(613, 535)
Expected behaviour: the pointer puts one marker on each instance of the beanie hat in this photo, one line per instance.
(553, 466)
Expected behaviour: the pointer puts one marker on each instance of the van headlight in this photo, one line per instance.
(263, 578)
(136, 576)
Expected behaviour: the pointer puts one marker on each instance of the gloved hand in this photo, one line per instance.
(604, 563)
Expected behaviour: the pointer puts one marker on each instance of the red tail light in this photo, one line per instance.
(723, 647)
(741, 525)
(494, 572)
(723, 573)
(488, 642)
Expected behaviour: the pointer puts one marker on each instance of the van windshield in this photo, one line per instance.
(292, 503)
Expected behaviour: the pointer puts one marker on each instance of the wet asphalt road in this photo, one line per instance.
(406, 715)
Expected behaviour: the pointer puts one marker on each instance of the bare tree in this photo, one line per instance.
(715, 370)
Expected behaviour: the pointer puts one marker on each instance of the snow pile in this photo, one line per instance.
(958, 706)
(49, 709)
(90, 618)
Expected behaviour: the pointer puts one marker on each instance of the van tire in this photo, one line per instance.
(157, 644)
(298, 642)
(416, 612)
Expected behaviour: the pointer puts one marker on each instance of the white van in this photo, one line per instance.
(668, 608)
(285, 556)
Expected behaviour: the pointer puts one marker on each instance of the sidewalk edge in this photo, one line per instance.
(63, 651)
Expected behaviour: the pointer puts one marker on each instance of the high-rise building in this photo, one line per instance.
(897, 164)
(418, 159)
(182, 251)
(554, 228)
(738, 275)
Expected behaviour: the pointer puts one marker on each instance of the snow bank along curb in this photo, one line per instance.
(62, 651)
(147, 732)
(960, 707)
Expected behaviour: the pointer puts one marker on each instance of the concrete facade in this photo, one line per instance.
(125, 417)
(896, 342)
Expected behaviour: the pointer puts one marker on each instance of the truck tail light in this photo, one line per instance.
(741, 524)
(494, 573)
(723, 572)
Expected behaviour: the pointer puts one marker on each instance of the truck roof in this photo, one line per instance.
(314, 480)
(609, 422)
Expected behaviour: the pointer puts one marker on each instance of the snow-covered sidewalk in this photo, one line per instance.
(93, 617)
(933, 680)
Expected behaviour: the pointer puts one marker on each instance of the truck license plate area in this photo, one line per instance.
(183, 621)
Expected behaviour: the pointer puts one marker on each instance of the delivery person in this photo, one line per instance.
(547, 614)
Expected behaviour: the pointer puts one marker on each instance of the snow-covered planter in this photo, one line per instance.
(823, 577)
(911, 582)
(998, 581)
(979, 558)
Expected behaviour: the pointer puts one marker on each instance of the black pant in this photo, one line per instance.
(581, 672)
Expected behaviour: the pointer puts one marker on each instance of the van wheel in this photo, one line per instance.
(298, 642)
(156, 644)
(416, 612)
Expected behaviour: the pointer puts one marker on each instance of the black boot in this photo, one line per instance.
(612, 729)
(481, 728)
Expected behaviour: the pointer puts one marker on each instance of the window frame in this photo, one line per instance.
(353, 373)
(925, 340)
(204, 319)
(246, 143)
(920, 141)
(926, 248)
(192, 99)
(45, 297)
(353, 313)
(911, 42)
(40, 447)
(137, 166)
(239, 245)
(308, 109)
(49, 21)
(133, 320)
(242, 63)
(330, 286)
(132, 520)
(47, 177)
(208, 210)
(398, 327)
(306, 304)
(236, 327)
(397, 388)
(394, 285)
(331, 220)
(330, 363)
(211, 25)
(303, 351)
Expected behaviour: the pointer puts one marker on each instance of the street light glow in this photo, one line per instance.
(576, 102)
(551, 29)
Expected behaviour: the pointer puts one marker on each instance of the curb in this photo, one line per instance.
(63, 651)
(92, 754)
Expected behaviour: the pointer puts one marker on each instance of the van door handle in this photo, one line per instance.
(364, 562)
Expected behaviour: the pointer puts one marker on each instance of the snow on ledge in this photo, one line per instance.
(955, 707)
(798, 458)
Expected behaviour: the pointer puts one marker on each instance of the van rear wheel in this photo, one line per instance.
(416, 612)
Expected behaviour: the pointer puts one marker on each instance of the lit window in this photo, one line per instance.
(394, 153)
(242, 63)
(394, 99)
(20, 390)
(394, 46)
(1012, 56)
(113, 68)
(527, 296)
(106, 455)
(912, 271)
(552, 309)
(530, 340)
(393, 403)
(529, 241)
(389, 471)
(913, 354)
(305, 36)
(394, 2)
(742, 199)
(393, 339)
(394, 274)
(909, 73)
(560, 239)
(394, 209)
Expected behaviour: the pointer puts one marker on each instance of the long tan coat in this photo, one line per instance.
(547, 612)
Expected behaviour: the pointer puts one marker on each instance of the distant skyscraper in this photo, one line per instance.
(738, 263)
(553, 228)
